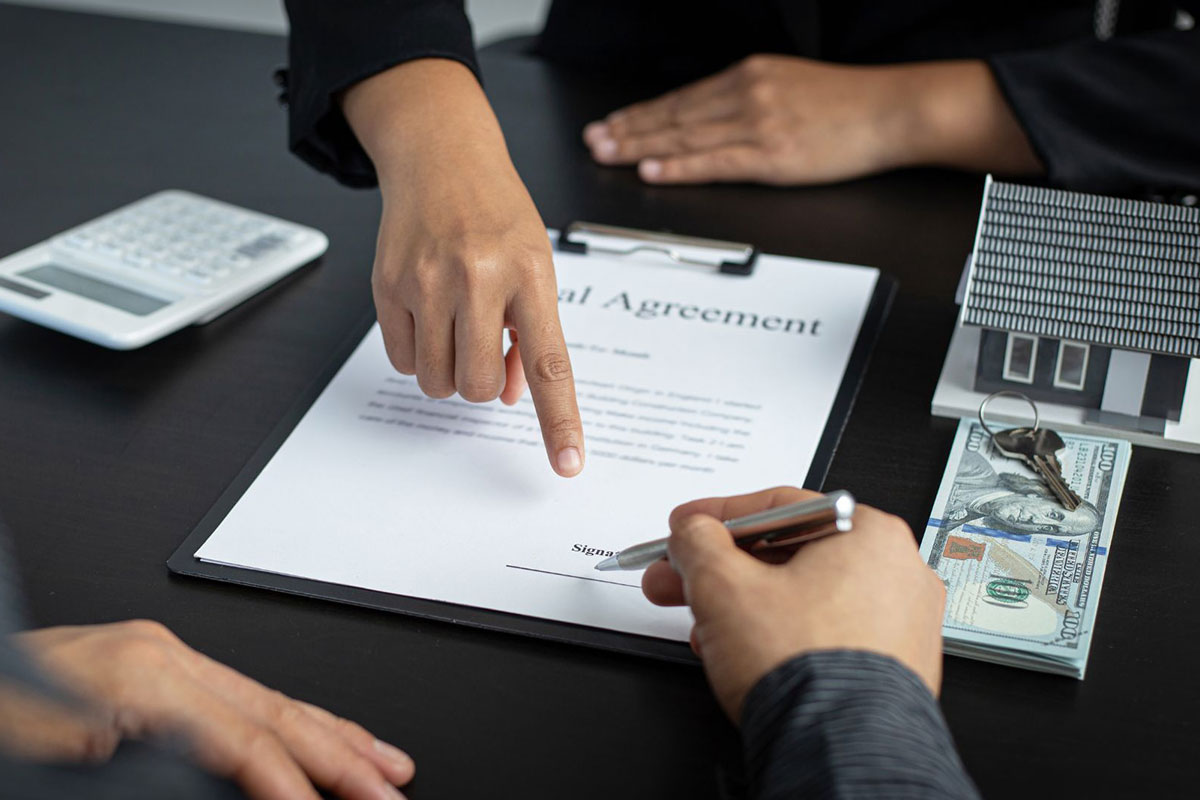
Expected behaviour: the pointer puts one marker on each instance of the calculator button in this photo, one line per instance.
(263, 244)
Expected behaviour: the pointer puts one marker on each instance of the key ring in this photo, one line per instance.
(1009, 393)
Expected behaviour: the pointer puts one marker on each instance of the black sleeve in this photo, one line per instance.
(337, 43)
(1120, 116)
(848, 724)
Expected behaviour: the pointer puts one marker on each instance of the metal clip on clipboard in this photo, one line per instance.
(589, 237)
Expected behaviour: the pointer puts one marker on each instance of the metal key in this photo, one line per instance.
(1039, 449)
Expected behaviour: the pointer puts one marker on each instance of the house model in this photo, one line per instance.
(1086, 301)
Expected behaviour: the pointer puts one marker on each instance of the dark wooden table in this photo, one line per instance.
(107, 460)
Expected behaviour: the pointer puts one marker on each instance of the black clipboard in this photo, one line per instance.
(573, 239)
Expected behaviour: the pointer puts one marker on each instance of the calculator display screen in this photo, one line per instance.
(93, 289)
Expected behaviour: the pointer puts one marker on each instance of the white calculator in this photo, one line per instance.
(145, 270)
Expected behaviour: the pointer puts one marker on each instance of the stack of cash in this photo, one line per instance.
(1023, 574)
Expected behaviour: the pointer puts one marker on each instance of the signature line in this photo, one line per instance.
(568, 575)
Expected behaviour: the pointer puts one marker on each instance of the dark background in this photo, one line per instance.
(108, 460)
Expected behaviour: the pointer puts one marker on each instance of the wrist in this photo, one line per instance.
(960, 119)
(430, 113)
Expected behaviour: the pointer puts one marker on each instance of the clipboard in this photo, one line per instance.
(735, 259)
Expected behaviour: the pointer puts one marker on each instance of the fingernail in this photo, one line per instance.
(650, 168)
(595, 130)
(397, 757)
(569, 461)
(606, 148)
(389, 792)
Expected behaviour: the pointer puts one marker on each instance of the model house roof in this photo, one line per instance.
(1088, 268)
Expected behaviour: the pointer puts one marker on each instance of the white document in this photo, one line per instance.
(690, 383)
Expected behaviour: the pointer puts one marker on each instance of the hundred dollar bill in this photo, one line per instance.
(1023, 574)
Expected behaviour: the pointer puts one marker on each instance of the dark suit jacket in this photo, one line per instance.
(1117, 116)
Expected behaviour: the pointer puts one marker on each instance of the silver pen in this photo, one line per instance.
(784, 526)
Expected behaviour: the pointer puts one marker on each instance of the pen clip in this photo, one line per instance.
(793, 536)
(802, 522)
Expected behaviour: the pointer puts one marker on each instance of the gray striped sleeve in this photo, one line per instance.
(848, 724)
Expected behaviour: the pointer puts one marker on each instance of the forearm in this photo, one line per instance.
(958, 117)
(429, 114)
(844, 723)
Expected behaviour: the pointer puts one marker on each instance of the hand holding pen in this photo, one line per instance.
(866, 589)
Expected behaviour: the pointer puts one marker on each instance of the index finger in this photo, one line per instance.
(727, 508)
(551, 382)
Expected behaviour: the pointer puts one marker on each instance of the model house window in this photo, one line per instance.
(1071, 372)
(1020, 358)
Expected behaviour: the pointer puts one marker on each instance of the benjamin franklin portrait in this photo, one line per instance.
(1010, 502)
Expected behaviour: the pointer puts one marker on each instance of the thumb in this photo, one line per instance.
(702, 551)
